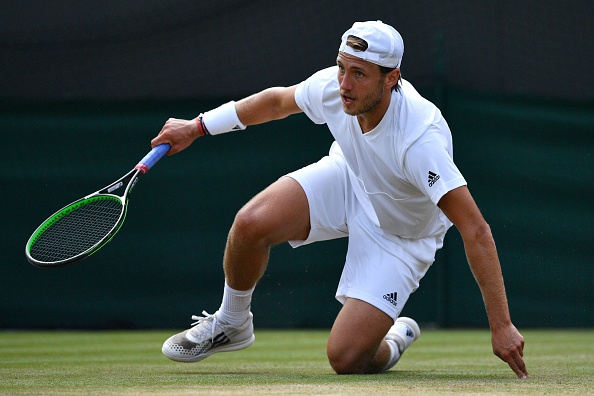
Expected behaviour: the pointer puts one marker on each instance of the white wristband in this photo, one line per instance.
(222, 119)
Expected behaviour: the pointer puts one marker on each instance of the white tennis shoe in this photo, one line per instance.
(206, 337)
(404, 332)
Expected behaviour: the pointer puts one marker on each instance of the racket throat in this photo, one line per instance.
(142, 168)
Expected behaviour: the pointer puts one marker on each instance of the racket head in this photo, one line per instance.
(76, 231)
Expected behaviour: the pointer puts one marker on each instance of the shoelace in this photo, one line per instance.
(204, 321)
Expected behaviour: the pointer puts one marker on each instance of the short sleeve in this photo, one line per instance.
(309, 94)
(430, 167)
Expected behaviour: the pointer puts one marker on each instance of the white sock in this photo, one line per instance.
(394, 354)
(235, 307)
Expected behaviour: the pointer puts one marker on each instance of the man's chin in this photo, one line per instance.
(349, 110)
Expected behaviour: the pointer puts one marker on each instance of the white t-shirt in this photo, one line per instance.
(401, 168)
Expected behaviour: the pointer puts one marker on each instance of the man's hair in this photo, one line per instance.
(358, 44)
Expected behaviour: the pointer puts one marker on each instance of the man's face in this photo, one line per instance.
(362, 85)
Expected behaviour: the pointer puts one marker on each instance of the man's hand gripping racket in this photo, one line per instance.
(83, 227)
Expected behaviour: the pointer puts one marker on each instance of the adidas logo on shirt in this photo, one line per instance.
(433, 177)
(392, 297)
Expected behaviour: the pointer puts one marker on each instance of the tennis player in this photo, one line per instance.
(389, 184)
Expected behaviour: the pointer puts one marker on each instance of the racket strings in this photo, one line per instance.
(78, 230)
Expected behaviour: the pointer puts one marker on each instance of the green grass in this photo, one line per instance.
(286, 362)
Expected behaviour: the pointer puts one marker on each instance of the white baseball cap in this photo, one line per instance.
(385, 45)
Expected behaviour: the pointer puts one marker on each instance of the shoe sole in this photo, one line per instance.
(223, 348)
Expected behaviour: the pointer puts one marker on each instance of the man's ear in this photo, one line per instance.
(392, 78)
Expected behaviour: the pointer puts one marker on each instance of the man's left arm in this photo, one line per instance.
(508, 344)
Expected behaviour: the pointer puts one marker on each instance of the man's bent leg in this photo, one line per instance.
(278, 214)
(356, 344)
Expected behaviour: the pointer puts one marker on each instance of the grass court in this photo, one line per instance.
(283, 362)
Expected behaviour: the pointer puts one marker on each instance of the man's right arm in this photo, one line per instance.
(270, 104)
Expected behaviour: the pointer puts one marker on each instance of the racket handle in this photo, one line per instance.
(152, 157)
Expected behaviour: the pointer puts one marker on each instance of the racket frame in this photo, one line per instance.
(128, 179)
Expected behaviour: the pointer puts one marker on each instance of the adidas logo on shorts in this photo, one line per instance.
(392, 297)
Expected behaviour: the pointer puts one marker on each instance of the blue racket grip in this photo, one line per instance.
(152, 157)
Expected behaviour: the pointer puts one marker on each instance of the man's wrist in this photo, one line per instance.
(221, 120)
(202, 130)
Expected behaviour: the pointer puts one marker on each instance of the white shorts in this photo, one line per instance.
(378, 269)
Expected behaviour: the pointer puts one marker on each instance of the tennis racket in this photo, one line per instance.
(82, 228)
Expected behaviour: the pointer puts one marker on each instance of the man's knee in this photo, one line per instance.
(347, 361)
(355, 345)
(248, 223)
(343, 364)
(277, 214)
